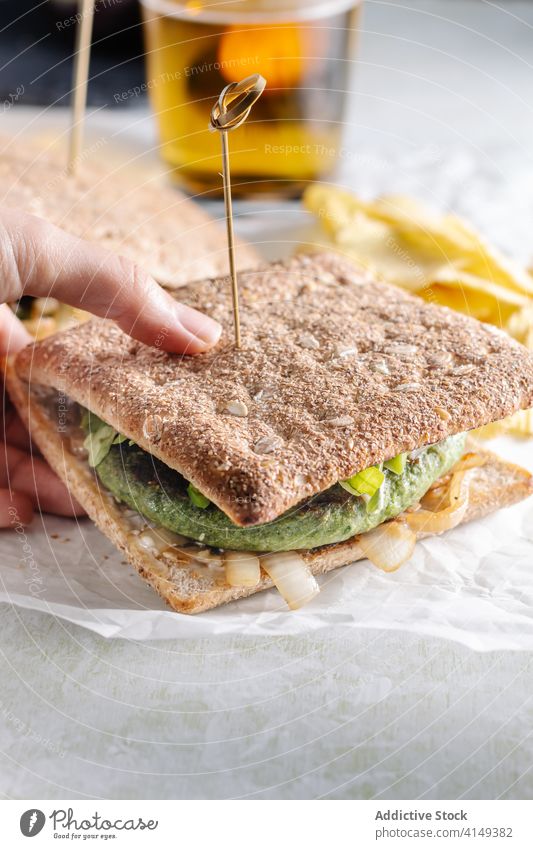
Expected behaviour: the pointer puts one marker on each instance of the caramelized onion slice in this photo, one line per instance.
(434, 500)
(427, 521)
(291, 576)
(159, 539)
(471, 460)
(204, 556)
(242, 568)
(389, 545)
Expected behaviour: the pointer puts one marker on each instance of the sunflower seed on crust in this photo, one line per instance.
(339, 421)
(267, 445)
(236, 408)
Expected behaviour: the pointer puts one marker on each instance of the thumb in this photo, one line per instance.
(40, 259)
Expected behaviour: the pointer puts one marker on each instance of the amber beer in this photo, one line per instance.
(303, 49)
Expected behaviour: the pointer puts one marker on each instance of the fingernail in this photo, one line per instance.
(206, 329)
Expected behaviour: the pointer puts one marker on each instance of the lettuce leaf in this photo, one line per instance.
(100, 437)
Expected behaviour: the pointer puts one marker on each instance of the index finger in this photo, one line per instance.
(39, 259)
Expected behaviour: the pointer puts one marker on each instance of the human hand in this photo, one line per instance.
(39, 259)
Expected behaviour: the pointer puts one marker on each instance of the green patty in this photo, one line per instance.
(160, 494)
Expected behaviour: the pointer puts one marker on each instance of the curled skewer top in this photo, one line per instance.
(235, 102)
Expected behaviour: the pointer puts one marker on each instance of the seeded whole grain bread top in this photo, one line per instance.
(123, 205)
(337, 372)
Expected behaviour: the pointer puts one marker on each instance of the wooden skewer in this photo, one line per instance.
(229, 112)
(226, 176)
(79, 81)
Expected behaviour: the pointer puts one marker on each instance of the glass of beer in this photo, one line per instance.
(303, 48)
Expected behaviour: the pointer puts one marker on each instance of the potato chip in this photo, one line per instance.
(519, 424)
(441, 234)
(441, 238)
(520, 325)
(482, 299)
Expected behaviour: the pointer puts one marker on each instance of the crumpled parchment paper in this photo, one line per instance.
(473, 585)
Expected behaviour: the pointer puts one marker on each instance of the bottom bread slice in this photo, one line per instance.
(192, 587)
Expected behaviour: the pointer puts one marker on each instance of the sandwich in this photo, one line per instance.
(125, 207)
(339, 431)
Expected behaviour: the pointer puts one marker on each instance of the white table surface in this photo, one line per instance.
(441, 107)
